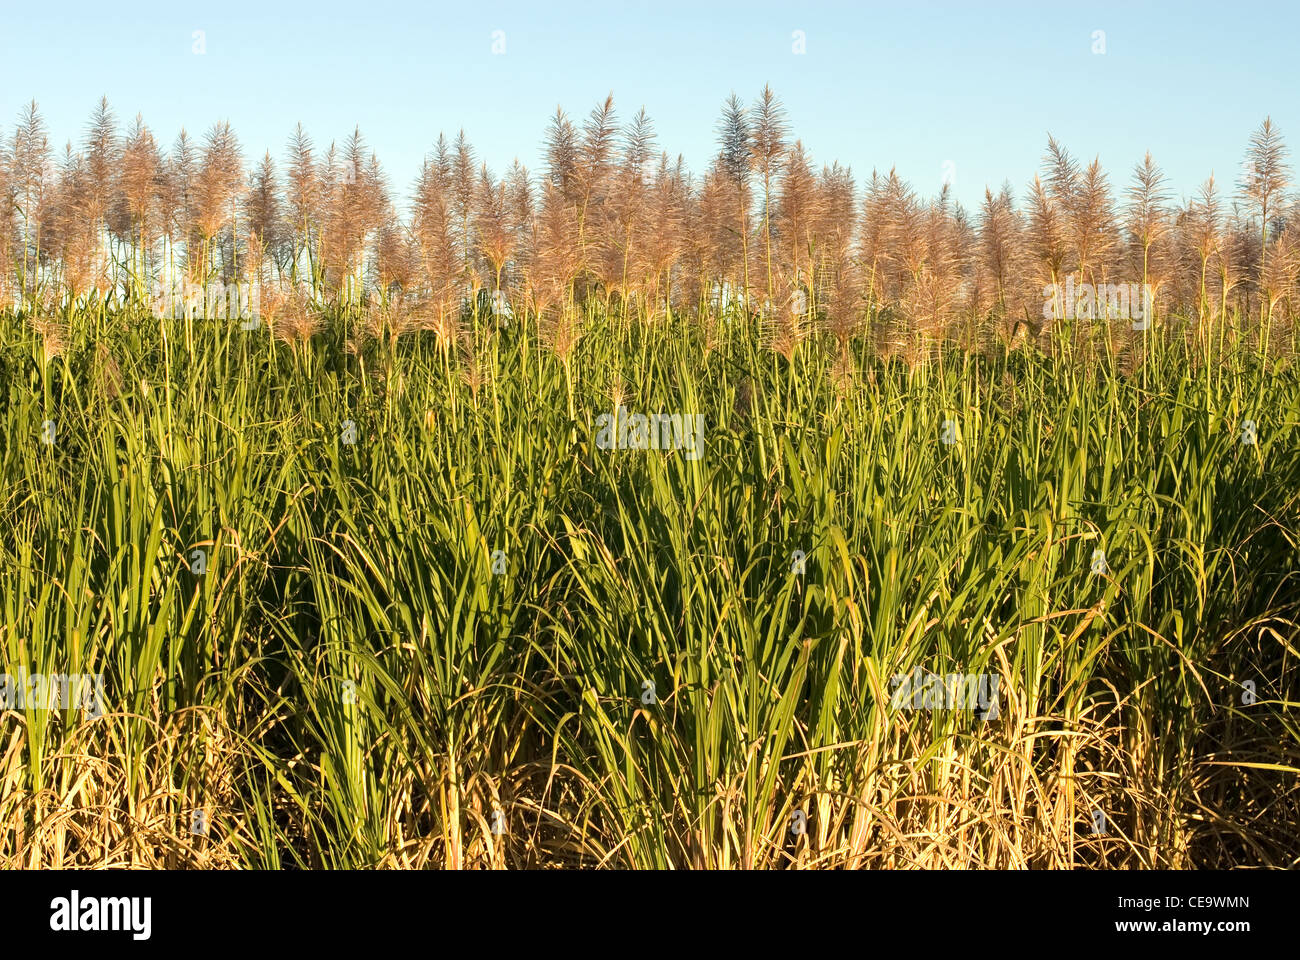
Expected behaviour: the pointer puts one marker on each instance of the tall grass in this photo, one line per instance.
(349, 684)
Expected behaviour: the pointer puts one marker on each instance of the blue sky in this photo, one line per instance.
(916, 85)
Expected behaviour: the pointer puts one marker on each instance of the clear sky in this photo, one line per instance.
(918, 85)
